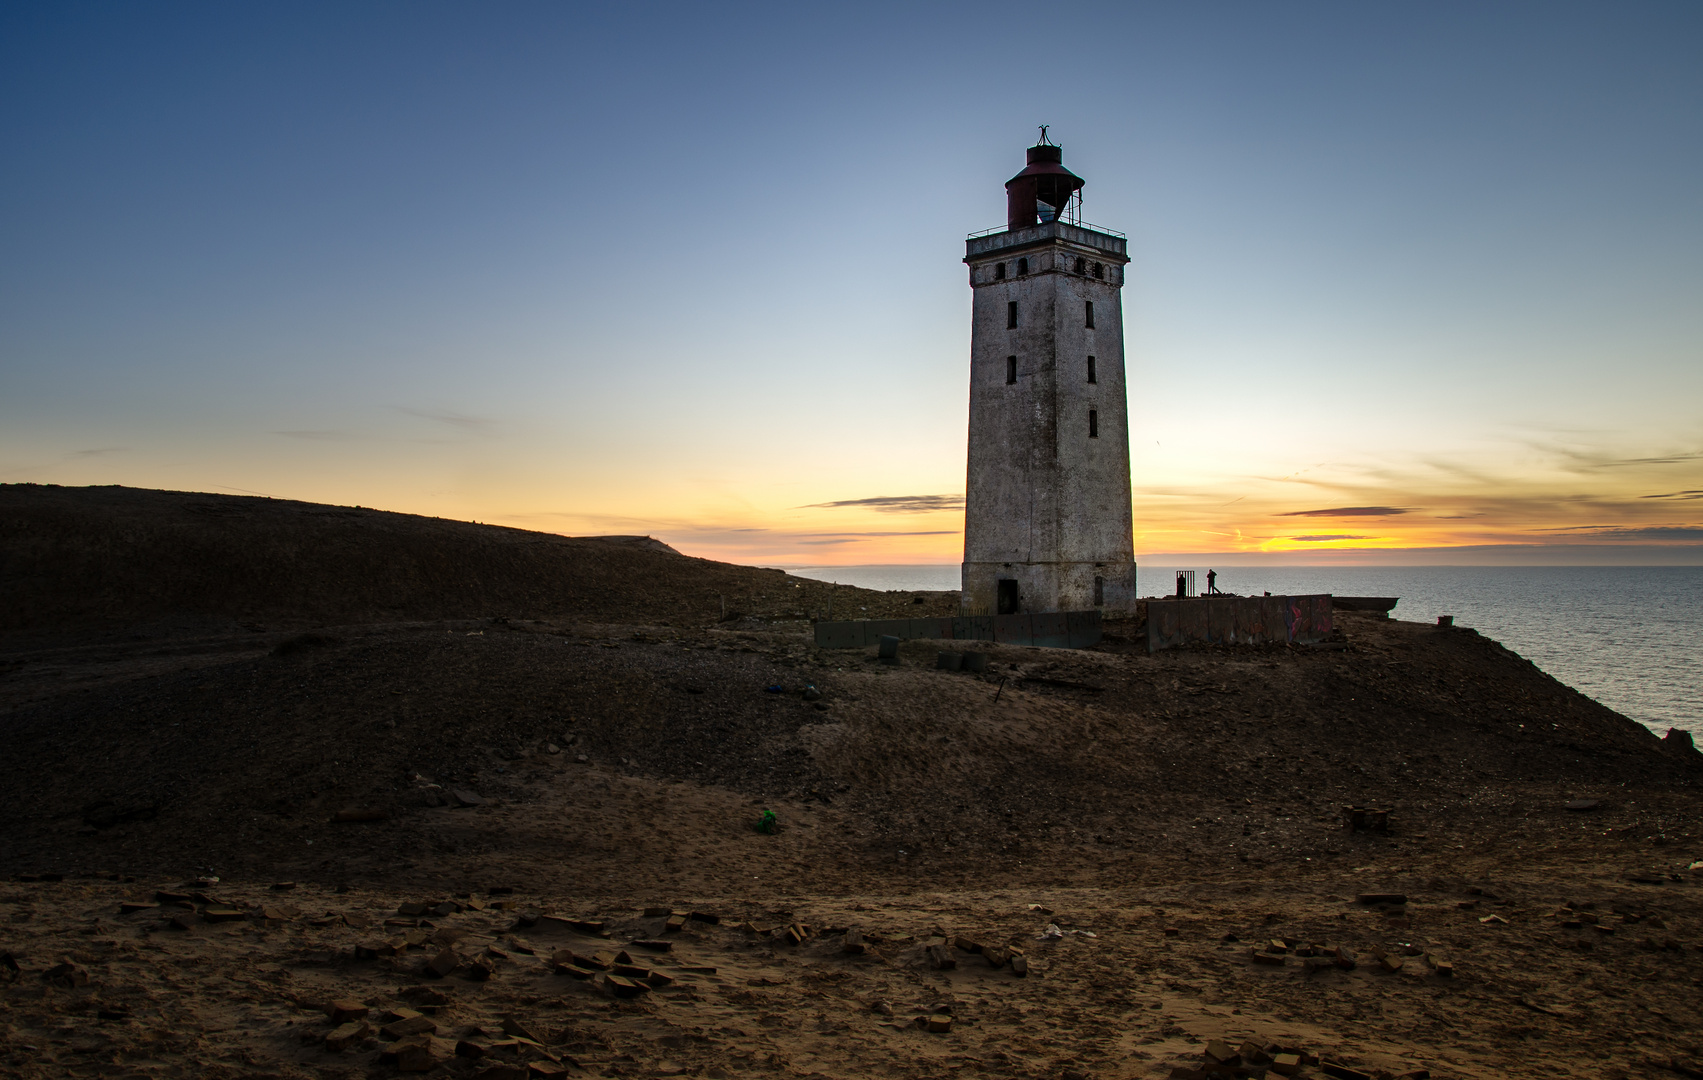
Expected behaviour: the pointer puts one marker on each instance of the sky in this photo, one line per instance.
(1409, 283)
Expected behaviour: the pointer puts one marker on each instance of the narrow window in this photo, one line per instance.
(999, 272)
(1022, 267)
(1090, 315)
(1099, 591)
(1080, 265)
(1093, 424)
(1010, 370)
(1099, 270)
(1091, 377)
(1011, 315)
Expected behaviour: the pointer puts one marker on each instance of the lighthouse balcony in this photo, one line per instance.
(992, 241)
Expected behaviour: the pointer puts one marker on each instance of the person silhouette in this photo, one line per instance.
(1212, 583)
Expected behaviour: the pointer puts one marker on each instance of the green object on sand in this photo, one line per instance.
(766, 822)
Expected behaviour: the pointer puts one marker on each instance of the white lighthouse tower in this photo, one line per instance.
(1047, 521)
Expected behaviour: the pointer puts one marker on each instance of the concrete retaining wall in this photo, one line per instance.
(1055, 630)
(1238, 620)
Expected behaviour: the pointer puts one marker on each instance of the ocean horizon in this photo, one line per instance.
(1630, 637)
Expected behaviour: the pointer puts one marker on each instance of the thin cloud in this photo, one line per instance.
(1647, 532)
(1327, 536)
(896, 504)
(98, 451)
(319, 436)
(1349, 511)
(919, 532)
(1681, 496)
(454, 419)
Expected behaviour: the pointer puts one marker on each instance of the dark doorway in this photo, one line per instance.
(1008, 596)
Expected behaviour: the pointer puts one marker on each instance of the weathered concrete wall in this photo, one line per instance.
(1237, 620)
(1048, 503)
(1056, 630)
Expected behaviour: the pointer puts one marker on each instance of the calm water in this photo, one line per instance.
(1629, 636)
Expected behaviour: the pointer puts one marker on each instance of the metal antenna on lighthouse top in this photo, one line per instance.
(1044, 141)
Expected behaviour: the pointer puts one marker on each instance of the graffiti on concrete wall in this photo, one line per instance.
(1238, 620)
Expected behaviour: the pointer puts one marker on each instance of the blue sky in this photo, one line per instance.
(695, 271)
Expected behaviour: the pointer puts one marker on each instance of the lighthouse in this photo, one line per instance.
(1047, 519)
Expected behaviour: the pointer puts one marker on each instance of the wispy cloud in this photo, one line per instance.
(1349, 511)
(99, 451)
(896, 504)
(917, 532)
(464, 421)
(1681, 496)
(1327, 536)
(319, 436)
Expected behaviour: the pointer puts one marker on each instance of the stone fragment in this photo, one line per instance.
(940, 1023)
(1286, 1064)
(441, 965)
(346, 1035)
(705, 917)
(479, 970)
(415, 1025)
(996, 955)
(1445, 969)
(1382, 898)
(423, 1055)
(1173, 931)
(967, 944)
(519, 1030)
(463, 797)
(282, 886)
(654, 912)
(1222, 1053)
(344, 1010)
(66, 974)
(674, 925)
(131, 907)
(586, 926)
(1270, 959)
(1019, 965)
(940, 957)
(1390, 963)
(1344, 958)
(222, 914)
(623, 987)
(853, 944)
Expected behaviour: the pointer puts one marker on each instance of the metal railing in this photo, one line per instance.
(1072, 224)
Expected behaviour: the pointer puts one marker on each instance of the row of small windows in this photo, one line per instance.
(1011, 371)
(1011, 314)
(1082, 267)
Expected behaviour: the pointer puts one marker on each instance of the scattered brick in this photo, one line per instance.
(674, 925)
(346, 1035)
(414, 1025)
(444, 963)
(1286, 1064)
(623, 987)
(939, 1023)
(344, 1010)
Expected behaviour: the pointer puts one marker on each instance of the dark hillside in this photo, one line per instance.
(112, 557)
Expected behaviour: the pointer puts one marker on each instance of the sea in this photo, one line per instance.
(1629, 636)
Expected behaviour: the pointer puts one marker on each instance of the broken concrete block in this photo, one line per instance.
(623, 987)
(1269, 959)
(1445, 969)
(853, 943)
(1222, 1053)
(519, 1030)
(705, 917)
(1019, 965)
(674, 925)
(346, 1035)
(996, 955)
(939, 1023)
(652, 945)
(1390, 963)
(1344, 958)
(344, 1010)
(443, 964)
(967, 944)
(223, 914)
(1286, 1064)
(422, 1056)
(940, 957)
(655, 912)
(401, 1029)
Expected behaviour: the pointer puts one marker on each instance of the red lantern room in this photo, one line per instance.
(1045, 190)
